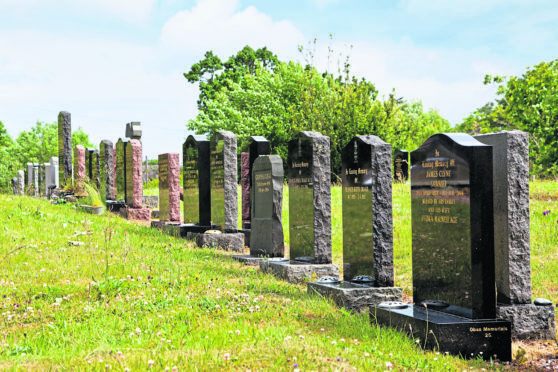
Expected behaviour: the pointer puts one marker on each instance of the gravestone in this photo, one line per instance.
(454, 288)
(309, 198)
(65, 148)
(47, 178)
(267, 238)
(120, 172)
(92, 166)
(309, 211)
(196, 185)
(511, 237)
(245, 188)
(80, 172)
(367, 228)
(106, 169)
(30, 175)
(55, 171)
(14, 185)
(224, 193)
(258, 146)
(134, 183)
(401, 165)
(21, 183)
(133, 130)
(36, 180)
(169, 187)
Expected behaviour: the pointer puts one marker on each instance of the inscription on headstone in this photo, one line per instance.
(367, 211)
(453, 228)
(267, 228)
(309, 198)
(196, 180)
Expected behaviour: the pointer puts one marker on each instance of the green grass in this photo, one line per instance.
(83, 292)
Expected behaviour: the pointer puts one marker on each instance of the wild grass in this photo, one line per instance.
(86, 292)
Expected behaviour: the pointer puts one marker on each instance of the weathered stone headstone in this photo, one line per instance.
(310, 198)
(267, 228)
(20, 183)
(92, 166)
(47, 178)
(401, 165)
(511, 237)
(55, 180)
(367, 210)
(106, 170)
(133, 130)
(14, 185)
(169, 187)
(120, 172)
(224, 193)
(454, 289)
(65, 148)
(196, 181)
(30, 175)
(79, 168)
(245, 188)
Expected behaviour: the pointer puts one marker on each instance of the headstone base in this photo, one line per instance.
(138, 214)
(294, 272)
(227, 242)
(115, 206)
(469, 338)
(255, 260)
(355, 297)
(529, 322)
(190, 230)
(246, 233)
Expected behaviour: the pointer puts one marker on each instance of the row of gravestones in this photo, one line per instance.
(470, 229)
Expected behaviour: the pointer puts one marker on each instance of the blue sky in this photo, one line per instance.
(110, 62)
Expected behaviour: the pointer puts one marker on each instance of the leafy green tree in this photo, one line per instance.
(8, 167)
(280, 101)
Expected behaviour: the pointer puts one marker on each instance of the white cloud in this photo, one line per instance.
(220, 26)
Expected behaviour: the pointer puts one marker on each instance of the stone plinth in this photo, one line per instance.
(229, 242)
(355, 297)
(140, 214)
(169, 228)
(529, 322)
(294, 272)
(245, 187)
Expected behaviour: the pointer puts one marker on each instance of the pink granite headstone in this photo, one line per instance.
(245, 186)
(134, 181)
(79, 168)
(169, 187)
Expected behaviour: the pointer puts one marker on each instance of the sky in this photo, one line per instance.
(110, 62)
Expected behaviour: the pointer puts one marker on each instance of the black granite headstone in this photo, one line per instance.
(120, 177)
(224, 192)
(367, 211)
(453, 225)
(196, 178)
(106, 169)
(309, 198)
(89, 167)
(401, 165)
(65, 148)
(267, 229)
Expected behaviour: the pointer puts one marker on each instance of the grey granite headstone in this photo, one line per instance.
(65, 148)
(36, 180)
(55, 173)
(29, 175)
(511, 215)
(267, 187)
(47, 177)
(133, 130)
(106, 169)
(224, 191)
(14, 185)
(310, 198)
(21, 182)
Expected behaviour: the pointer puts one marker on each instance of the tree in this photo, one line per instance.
(7, 165)
(280, 101)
